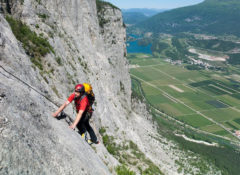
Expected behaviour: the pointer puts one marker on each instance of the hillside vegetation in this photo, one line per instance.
(177, 47)
(205, 31)
(212, 16)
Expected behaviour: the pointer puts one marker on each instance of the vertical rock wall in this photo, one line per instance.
(32, 142)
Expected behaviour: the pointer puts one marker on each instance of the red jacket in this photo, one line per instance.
(81, 104)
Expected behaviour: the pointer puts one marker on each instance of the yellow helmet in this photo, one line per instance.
(87, 87)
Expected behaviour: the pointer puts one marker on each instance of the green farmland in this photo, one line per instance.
(206, 100)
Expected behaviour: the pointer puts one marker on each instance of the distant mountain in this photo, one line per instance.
(145, 11)
(133, 17)
(211, 16)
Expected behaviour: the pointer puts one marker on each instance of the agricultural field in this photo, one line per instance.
(206, 100)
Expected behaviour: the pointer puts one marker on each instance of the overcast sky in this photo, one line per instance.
(159, 4)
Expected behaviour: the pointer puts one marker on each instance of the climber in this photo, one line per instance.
(84, 112)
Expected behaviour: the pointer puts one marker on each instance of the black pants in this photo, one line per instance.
(84, 126)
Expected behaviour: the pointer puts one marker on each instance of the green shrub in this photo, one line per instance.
(122, 170)
(34, 45)
(136, 89)
(45, 79)
(106, 140)
(136, 157)
(37, 62)
(102, 130)
(152, 170)
(59, 61)
(111, 146)
(101, 4)
(133, 145)
(100, 11)
(112, 149)
(43, 16)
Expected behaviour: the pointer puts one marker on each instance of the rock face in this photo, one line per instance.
(88, 47)
(32, 142)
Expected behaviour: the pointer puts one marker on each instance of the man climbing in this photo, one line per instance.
(84, 112)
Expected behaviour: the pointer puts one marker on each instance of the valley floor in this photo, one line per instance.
(206, 100)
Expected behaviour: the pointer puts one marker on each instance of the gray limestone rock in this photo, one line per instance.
(31, 141)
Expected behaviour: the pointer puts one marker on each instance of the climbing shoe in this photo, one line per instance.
(90, 142)
(83, 135)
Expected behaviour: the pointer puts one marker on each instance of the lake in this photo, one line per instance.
(134, 47)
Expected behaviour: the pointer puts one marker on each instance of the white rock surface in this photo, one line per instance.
(31, 141)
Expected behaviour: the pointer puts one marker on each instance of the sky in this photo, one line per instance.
(158, 4)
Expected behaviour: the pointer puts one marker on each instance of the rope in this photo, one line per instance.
(40, 93)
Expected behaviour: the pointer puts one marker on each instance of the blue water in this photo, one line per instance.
(133, 47)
